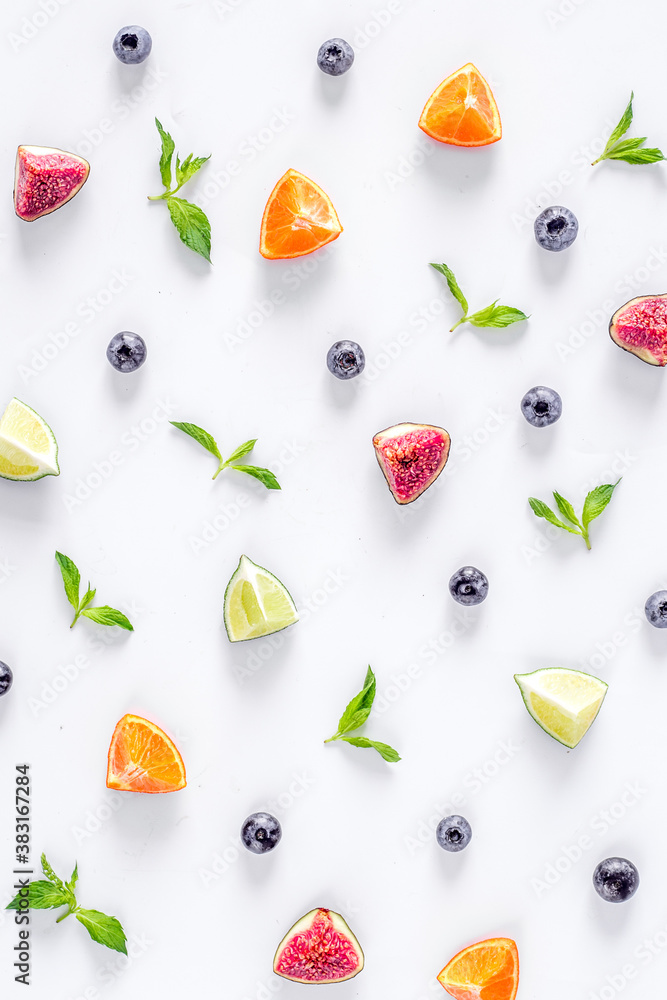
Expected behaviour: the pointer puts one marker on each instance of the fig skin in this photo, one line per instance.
(646, 335)
(45, 179)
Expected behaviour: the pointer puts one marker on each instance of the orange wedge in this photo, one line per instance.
(299, 218)
(462, 111)
(488, 970)
(143, 759)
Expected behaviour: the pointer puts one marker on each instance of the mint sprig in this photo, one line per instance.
(492, 316)
(51, 893)
(265, 476)
(628, 150)
(190, 221)
(594, 504)
(355, 715)
(103, 615)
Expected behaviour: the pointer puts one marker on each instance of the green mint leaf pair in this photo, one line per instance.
(594, 504)
(628, 150)
(265, 476)
(51, 893)
(493, 316)
(72, 581)
(355, 715)
(190, 221)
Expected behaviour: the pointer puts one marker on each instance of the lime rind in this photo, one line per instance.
(47, 465)
(543, 685)
(250, 573)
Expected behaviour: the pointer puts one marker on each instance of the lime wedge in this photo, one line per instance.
(28, 449)
(563, 702)
(256, 603)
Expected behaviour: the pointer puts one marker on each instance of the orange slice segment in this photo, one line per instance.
(488, 970)
(142, 758)
(462, 111)
(299, 218)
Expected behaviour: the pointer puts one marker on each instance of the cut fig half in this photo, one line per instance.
(45, 179)
(319, 948)
(411, 456)
(640, 327)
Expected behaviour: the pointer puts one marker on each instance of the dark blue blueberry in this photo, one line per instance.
(541, 406)
(556, 228)
(261, 832)
(126, 351)
(6, 678)
(335, 56)
(469, 586)
(655, 609)
(616, 879)
(453, 833)
(345, 359)
(132, 44)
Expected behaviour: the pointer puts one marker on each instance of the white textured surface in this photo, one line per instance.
(221, 75)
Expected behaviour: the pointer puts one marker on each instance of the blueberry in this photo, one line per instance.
(541, 406)
(335, 56)
(616, 879)
(126, 351)
(655, 609)
(469, 586)
(345, 359)
(261, 832)
(6, 678)
(132, 44)
(453, 833)
(556, 228)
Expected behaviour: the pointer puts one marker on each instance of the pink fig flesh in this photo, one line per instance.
(640, 327)
(411, 456)
(45, 179)
(319, 948)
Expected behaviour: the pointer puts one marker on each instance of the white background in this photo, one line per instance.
(219, 73)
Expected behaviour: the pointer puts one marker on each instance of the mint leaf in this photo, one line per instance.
(386, 752)
(265, 476)
(188, 168)
(168, 147)
(453, 286)
(628, 150)
(241, 451)
(566, 509)
(71, 579)
(103, 929)
(42, 895)
(199, 435)
(74, 879)
(496, 316)
(540, 509)
(596, 501)
(87, 598)
(49, 872)
(108, 616)
(192, 225)
(358, 710)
